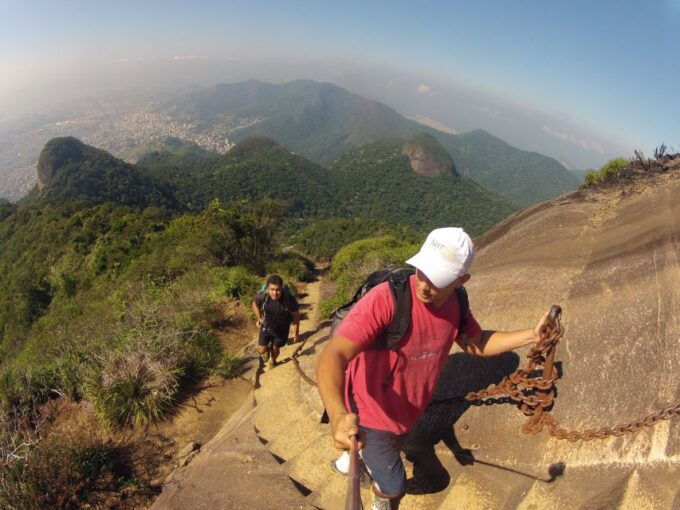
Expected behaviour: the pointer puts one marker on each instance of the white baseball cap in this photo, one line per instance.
(446, 254)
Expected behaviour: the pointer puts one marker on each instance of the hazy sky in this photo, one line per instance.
(580, 81)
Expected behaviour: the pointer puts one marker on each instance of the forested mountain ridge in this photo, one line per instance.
(408, 181)
(317, 120)
(258, 168)
(526, 178)
(383, 181)
(322, 122)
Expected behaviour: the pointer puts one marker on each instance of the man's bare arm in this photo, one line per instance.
(258, 314)
(330, 377)
(296, 325)
(491, 343)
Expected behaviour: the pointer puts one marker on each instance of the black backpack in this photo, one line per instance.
(398, 280)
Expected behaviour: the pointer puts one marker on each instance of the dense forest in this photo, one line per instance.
(112, 305)
(109, 272)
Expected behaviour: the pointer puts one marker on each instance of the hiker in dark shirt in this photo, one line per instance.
(275, 309)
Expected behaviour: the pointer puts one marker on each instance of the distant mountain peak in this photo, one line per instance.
(57, 153)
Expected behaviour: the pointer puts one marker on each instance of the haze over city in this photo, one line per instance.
(582, 82)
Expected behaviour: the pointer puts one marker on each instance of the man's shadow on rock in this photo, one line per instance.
(462, 374)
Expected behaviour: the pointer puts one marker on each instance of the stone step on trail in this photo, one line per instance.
(234, 470)
(285, 421)
(479, 489)
(635, 492)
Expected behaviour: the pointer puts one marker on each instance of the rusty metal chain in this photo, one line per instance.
(535, 395)
(294, 358)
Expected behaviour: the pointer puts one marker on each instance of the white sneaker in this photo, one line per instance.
(341, 466)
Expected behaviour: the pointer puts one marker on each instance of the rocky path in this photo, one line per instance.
(236, 469)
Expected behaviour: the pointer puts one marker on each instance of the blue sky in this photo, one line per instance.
(599, 77)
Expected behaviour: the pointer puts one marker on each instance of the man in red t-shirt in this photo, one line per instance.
(377, 394)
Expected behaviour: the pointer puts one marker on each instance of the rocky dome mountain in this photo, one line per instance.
(427, 157)
(70, 170)
(322, 122)
(609, 256)
(57, 153)
(385, 179)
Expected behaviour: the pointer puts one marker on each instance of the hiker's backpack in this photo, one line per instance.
(398, 280)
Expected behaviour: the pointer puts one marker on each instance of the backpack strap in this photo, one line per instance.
(464, 304)
(265, 298)
(400, 286)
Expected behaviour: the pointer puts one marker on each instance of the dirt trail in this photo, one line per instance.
(309, 304)
(232, 469)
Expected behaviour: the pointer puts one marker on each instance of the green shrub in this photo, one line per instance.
(328, 306)
(591, 178)
(354, 262)
(199, 355)
(612, 167)
(293, 266)
(134, 388)
(62, 473)
(237, 282)
(230, 366)
(606, 172)
(21, 392)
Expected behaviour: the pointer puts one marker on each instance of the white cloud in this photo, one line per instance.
(424, 89)
(568, 137)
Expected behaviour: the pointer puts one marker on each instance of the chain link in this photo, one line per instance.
(535, 395)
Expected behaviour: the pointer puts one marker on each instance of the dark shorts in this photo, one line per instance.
(381, 455)
(272, 337)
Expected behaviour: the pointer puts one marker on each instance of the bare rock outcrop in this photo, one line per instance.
(427, 157)
(56, 153)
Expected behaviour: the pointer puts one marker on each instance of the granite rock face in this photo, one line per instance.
(425, 163)
(56, 153)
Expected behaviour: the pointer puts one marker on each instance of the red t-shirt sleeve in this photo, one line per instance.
(369, 317)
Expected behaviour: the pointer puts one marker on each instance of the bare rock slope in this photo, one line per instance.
(611, 258)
